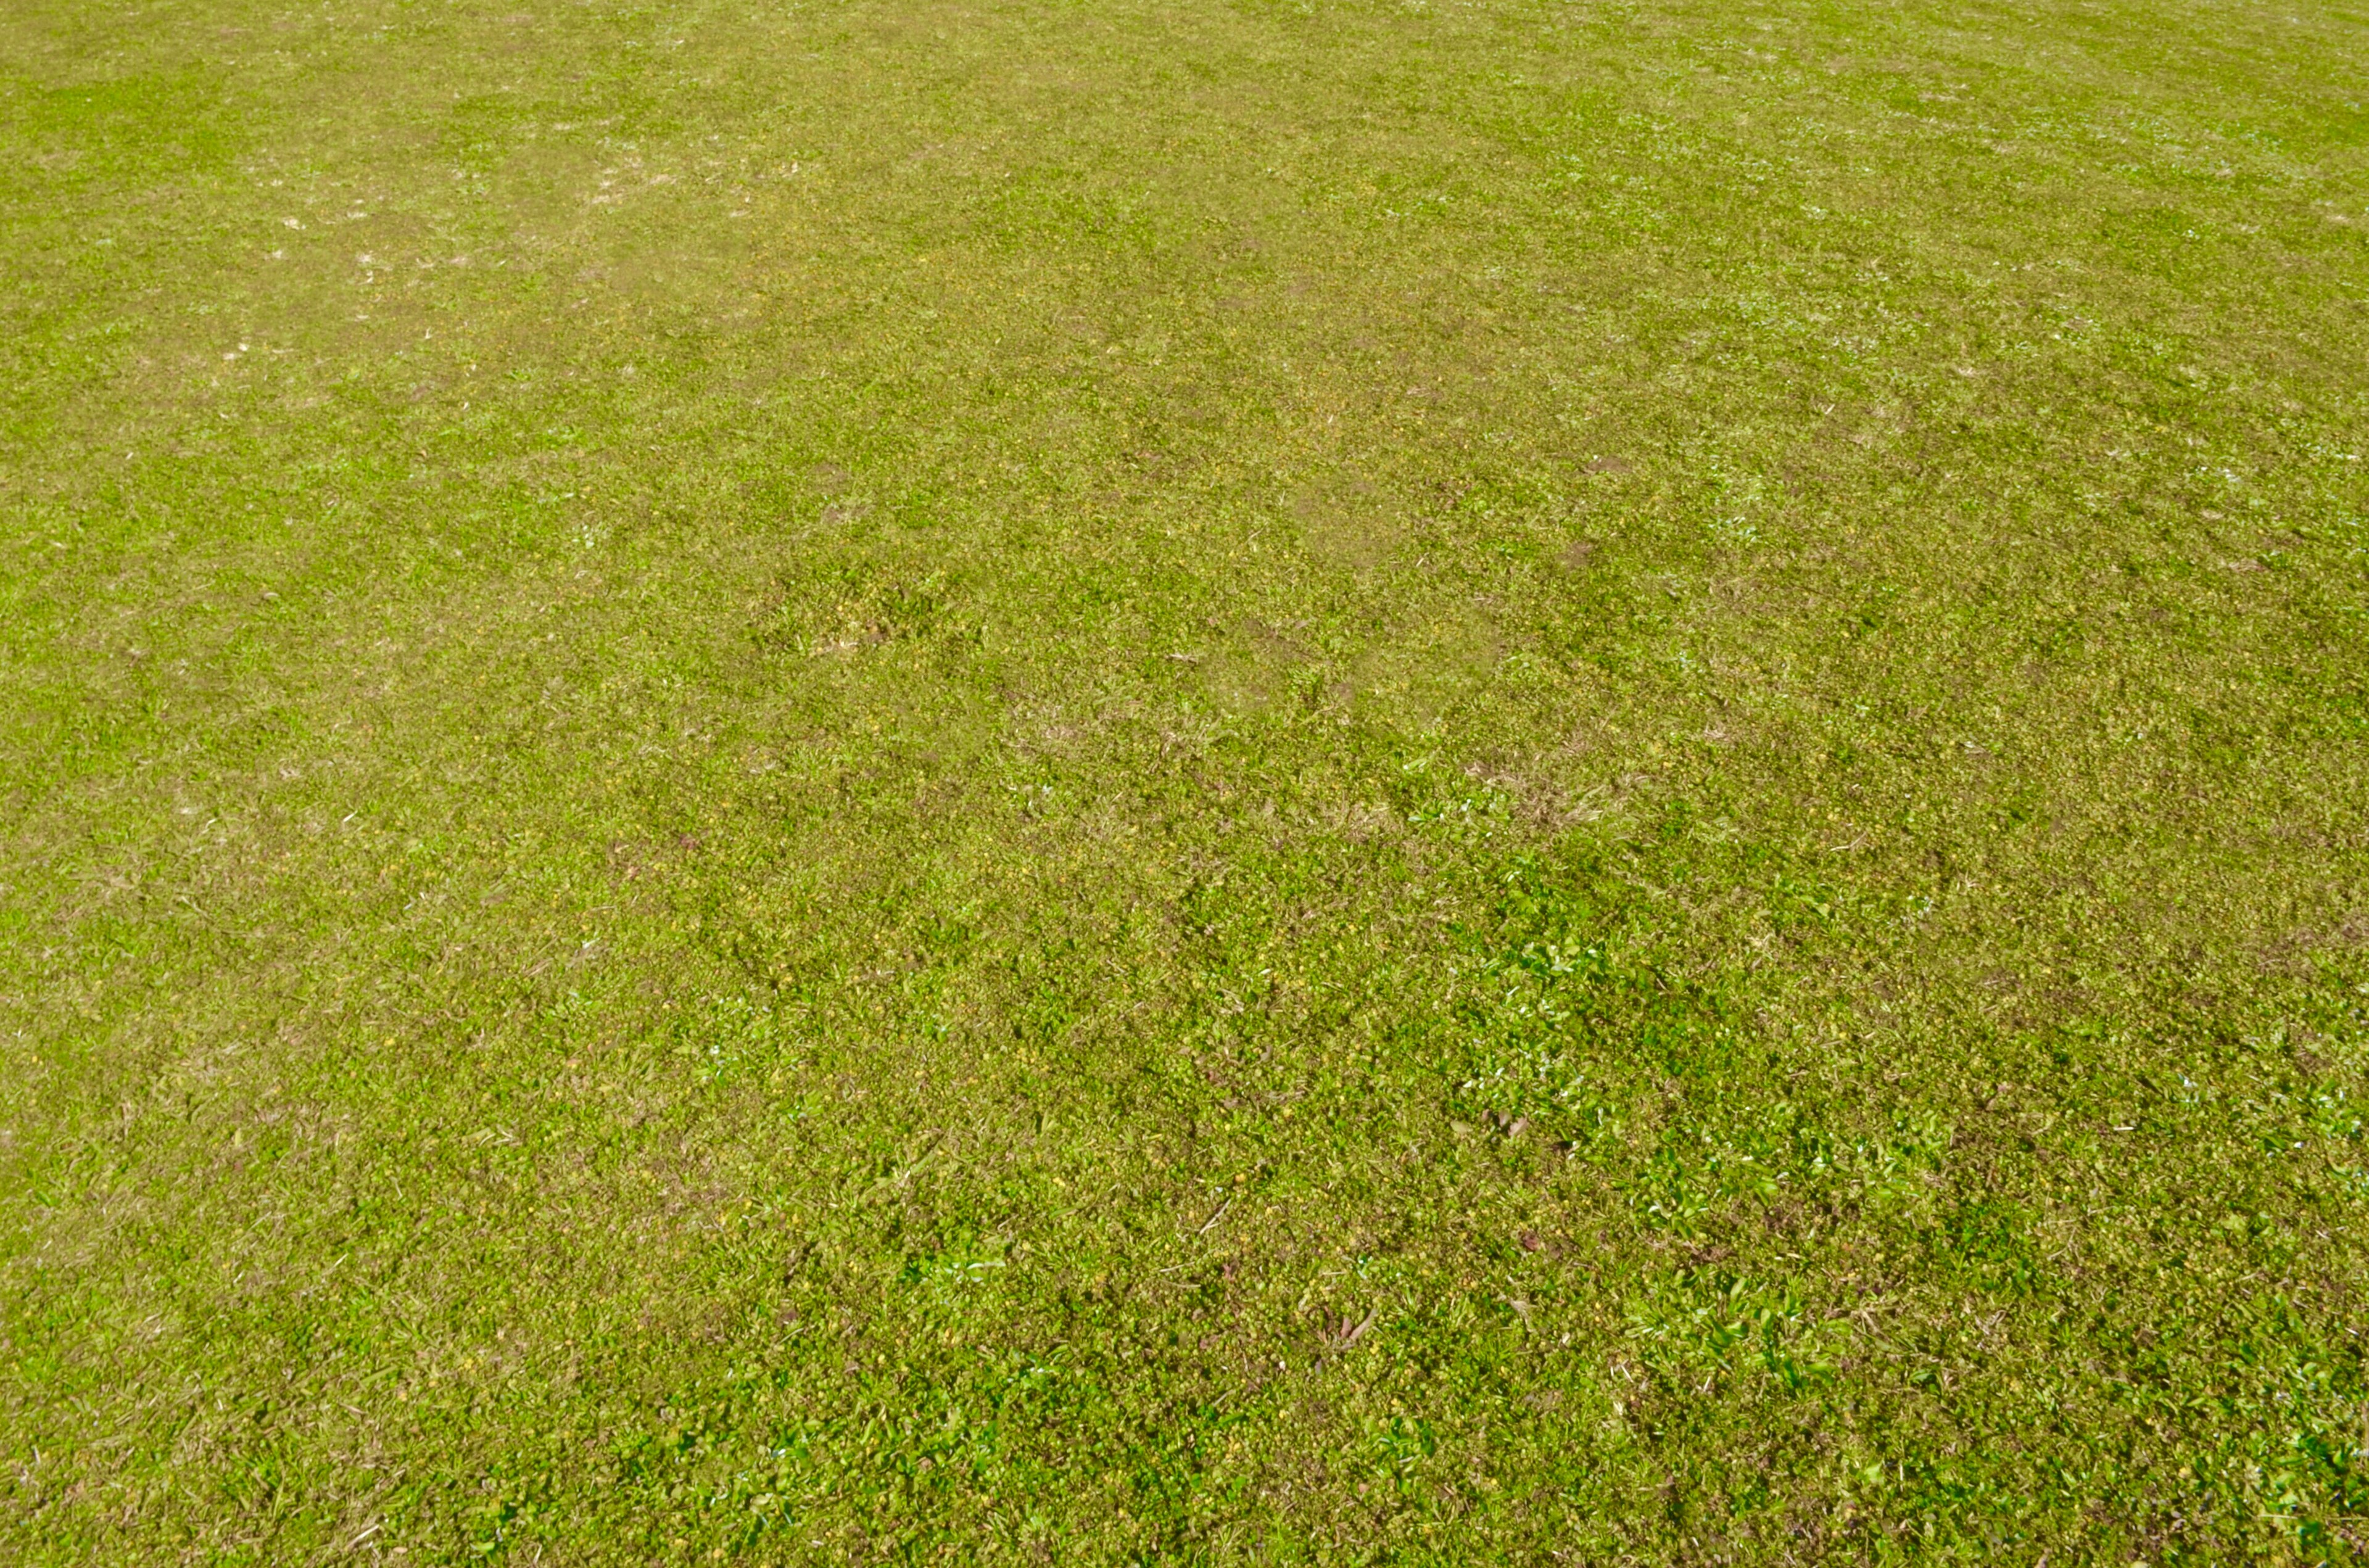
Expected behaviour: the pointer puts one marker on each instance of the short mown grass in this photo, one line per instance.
(1211, 783)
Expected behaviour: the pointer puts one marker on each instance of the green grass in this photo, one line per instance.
(1208, 783)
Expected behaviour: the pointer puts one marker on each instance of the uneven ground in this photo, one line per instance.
(1206, 782)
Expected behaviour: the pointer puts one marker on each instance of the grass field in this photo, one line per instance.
(1348, 782)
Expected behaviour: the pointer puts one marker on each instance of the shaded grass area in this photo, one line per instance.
(1353, 783)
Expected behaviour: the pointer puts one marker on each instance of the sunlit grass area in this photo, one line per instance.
(1214, 783)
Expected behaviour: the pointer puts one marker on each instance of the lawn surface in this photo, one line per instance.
(1205, 782)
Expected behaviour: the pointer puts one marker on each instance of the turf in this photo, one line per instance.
(1206, 782)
